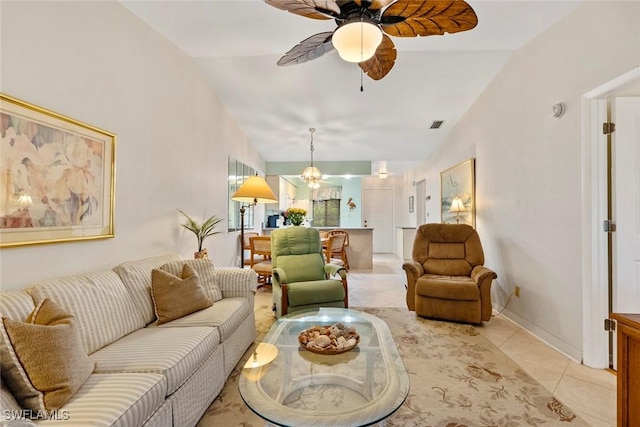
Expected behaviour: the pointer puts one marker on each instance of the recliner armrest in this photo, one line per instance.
(480, 273)
(333, 269)
(279, 276)
(414, 268)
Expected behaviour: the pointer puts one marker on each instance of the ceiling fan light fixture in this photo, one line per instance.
(357, 40)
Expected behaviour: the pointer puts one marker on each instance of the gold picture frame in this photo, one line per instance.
(458, 182)
(57, 177)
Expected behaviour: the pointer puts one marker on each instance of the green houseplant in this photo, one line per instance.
(202, 230)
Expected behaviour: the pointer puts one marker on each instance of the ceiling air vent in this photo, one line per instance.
(436, 124)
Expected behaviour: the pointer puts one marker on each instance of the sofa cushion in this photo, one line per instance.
(448, 287)
(9, 405)
(174, 352)
(16, 305)
(136, 276)
(100, 303)
(174, 297)
(114, 400)
(205, 269)
(226, 315)
(48, 361)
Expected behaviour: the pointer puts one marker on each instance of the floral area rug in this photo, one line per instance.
(458, 379)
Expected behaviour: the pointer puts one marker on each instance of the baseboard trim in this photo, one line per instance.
(552, 341)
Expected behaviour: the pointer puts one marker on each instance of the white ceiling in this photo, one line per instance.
(237, 44)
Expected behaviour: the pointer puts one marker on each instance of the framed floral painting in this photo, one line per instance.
(57, 177)
(458, 193)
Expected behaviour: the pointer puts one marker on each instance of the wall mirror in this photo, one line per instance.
(238, 172)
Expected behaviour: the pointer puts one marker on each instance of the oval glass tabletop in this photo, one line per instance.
(288, 385)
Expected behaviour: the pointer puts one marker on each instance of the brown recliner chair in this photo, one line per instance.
(447, 279)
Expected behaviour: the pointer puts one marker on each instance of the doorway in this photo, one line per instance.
(378, 214)
(597, 297)
(421, 195)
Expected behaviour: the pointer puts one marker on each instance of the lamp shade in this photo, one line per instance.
(457, 205)
(254, 190)
(25, 201)
(357, 40)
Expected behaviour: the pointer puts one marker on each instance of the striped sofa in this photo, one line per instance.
(145, 375)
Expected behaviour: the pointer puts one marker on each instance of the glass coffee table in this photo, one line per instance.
(287, 385)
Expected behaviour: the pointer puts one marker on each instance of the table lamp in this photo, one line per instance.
(457, 206)
(253, 191)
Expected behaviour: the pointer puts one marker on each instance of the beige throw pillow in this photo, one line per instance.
(48, 363)
(174, 297)
(206, 271)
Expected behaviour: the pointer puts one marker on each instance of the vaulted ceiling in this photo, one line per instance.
(237, 43)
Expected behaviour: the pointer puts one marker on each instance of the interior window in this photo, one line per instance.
(326, 213)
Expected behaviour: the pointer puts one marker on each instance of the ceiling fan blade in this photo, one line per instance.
(382, 62)
(308, 49)
(369, 4)
(314, 9)
(379, 4)
(412, 18)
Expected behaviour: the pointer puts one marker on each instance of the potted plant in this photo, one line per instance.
(201, 230)
(296, 215)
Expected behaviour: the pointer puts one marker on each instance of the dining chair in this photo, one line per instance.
(334, 251)
(260, 246)
(245, 244)
(342, 252)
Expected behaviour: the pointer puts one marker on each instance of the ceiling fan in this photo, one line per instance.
(364, 27)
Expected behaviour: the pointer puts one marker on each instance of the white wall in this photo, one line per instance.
(528, 164)
(97, 63)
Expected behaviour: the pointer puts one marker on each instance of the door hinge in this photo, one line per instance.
(608, 128)
(609, 226)
(609, 325)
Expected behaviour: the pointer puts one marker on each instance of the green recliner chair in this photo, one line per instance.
(301, 279)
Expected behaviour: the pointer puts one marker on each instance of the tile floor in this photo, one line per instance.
(591, 393)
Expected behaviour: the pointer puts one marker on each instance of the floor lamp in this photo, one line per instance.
(254, 190)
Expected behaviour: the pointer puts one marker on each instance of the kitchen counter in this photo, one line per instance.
(404, 242)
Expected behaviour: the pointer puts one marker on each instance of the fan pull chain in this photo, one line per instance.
(361, 51)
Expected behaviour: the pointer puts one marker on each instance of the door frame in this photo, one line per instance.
(595, 348)
(420, 205)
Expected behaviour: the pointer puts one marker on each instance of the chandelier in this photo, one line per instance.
(311, 174)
